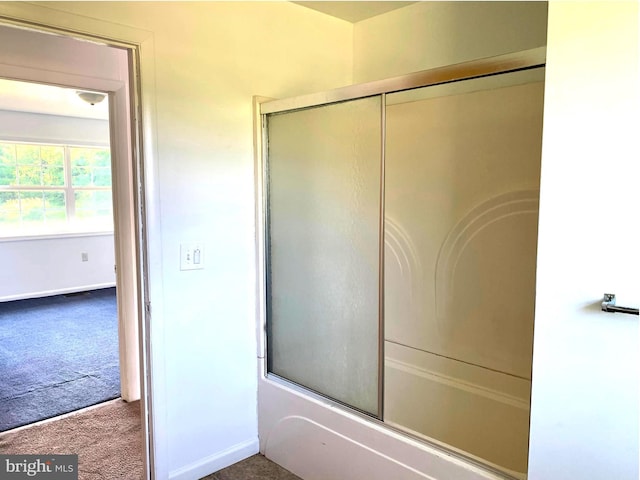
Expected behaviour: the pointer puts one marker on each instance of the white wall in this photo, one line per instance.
(49, 266)
(209, 59)
(432, 34)
(584, 421)
(35, 127)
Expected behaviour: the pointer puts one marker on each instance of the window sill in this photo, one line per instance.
(54, 236)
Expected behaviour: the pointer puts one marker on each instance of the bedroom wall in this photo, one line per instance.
(42, 266)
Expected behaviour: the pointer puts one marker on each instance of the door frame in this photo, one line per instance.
(142, 244)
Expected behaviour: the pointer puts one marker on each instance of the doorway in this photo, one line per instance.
(59, 325)
(62, 60)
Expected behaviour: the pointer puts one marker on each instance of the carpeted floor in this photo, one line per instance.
(256, 467)
(57, 354)
(107, 439)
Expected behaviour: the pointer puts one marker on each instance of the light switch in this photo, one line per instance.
(191, 256)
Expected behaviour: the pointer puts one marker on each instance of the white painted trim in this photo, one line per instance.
(55, 236)
(61, 291)
(61, 79)
(43, 135)
(258, 165)
(217, 461)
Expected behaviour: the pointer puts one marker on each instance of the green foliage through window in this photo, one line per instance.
(38, 196)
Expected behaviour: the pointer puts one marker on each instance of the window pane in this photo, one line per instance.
(52, 156)
(52, 159)
(9, 209)
(94, 208)
(80, 176)
(90, 167)
(29, 175)
(28, 154)
(55, 208)
(7, 154)
(102, 158)
(53, 176)
(8, 175)
(32, 207)
(102, 177)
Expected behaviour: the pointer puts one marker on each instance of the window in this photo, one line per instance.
(51, 189)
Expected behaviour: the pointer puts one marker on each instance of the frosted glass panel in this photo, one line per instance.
(461, 211)
(324, 219)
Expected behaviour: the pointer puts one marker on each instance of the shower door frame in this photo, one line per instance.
(485, 67)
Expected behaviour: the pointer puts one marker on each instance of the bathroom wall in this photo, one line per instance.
(585, 405)
(431, 34)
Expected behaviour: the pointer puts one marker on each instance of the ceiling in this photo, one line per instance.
(37, 98)
(354, 11)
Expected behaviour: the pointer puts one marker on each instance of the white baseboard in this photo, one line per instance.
(217, 461)
(60, 291)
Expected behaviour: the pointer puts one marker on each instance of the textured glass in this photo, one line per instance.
(324, 218)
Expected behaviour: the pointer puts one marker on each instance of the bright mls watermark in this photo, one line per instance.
(51, 467)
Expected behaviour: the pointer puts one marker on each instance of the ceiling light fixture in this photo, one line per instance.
(91, 97)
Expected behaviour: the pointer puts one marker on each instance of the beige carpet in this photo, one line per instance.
(107, 439)
(256, 467)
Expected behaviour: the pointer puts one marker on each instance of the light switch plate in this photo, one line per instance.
(191, 256)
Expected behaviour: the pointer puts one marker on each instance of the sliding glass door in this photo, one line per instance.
(323, 246)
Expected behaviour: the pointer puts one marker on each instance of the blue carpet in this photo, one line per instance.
(57, 354)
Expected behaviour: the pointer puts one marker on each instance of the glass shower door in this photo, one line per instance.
(323, 250)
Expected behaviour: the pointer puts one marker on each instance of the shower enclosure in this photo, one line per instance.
(400, 232)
